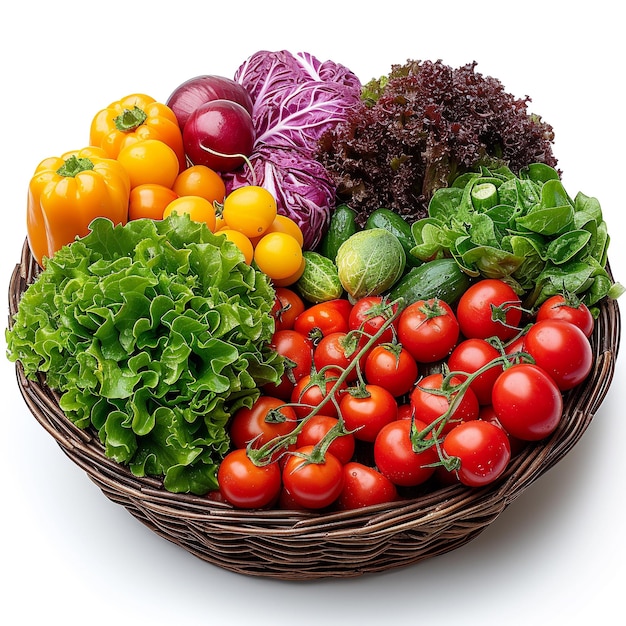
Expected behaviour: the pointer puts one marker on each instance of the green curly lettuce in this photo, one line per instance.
(154, 334)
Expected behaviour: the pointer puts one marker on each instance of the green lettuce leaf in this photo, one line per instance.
(154, 334)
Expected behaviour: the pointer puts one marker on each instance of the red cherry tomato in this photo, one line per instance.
(324, 318)
(287, 306)
(367, 411)
(266, 419)
(338, 349)
(364, 486)
(396, 459)
(246, 485)
(315, 428)
(310, 484)
(483, 451)
(567, 308)
(527, 402)
(429, 406)
(393, 367)
(298, 350)
(369, 314)
(470, 356)
(428, 329)
(489, 308)
(314, 389)
(561, 349)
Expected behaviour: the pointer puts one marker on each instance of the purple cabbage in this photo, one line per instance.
(295, 100)
(302, 187)
(296, 97)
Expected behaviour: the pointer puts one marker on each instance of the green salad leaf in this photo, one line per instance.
(154, 334)
(524, 229)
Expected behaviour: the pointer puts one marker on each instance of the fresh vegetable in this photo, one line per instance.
(67, 193)
(469, 356)
(320, 280)
(134, 118)
(369, 314)
(428, 329)
(391, 366)
(149, 161)
(527, 402)
(342, 226)
(482, 450)
(562, 350)
(295, 99)
(338, 350)
(315, 429)
(420, 127)
(569, 308)
(149, 200)
(258, 424)
(154, 334)
(198, 208)
(278, 255)
(200, 180)
(318, 389)
(395, 224)
(220, 135)
(244, 484)
(303, 190)
(489, 308)
(297, 350)
(370, 262)
(199, 90)
(435, 396)
(313, 483)
(396, 458)
(535, 237)
(287, 306)
(439, 278)
(250, 210)
(364, 486)
(323, 318)
(366, 409)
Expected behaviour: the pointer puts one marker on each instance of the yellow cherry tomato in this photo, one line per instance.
(149, 161)
(200, 180)
(199, 209)
(290, 280)
(283, 224)
(241, 241)
(250, 210)
(149, 200)
(278, 255)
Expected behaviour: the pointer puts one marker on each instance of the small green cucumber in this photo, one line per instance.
(398, 226)
(320, 279)
(439, 278)
(342, 226)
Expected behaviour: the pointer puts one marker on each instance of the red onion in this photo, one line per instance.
(191, 94)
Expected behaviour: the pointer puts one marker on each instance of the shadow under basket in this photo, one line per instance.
(296, 545)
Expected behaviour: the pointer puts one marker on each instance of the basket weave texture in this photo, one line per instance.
(299, 545)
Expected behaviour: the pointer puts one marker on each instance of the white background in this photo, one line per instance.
(554, 557)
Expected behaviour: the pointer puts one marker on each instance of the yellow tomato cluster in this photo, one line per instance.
(249, 218)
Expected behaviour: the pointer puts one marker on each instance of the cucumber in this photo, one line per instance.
(342, 226)
(398, 226)
(320, 279)
(439, 278)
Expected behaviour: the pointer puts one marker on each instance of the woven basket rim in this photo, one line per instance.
(272, 543)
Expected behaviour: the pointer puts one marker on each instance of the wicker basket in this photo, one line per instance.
(295, 545)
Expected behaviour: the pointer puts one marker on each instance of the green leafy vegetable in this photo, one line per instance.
(522, 228)
(154, 333)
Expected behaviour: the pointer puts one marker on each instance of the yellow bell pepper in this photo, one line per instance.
(67, 193)
(133, 118)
